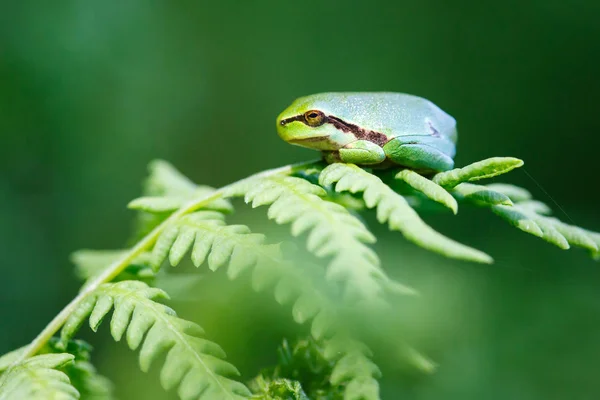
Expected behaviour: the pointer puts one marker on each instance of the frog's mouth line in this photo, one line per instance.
(309, 139)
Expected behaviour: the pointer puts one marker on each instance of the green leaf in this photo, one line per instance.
(480, 194)
(88, 382)
(39, 378)
(209, 238)
(278, 389)
(429, 188)
(353, 368)
(158, 205)
(239, 250)
(165, 180)
(84, 377)
(165, 191)
(532, 217)
(479, 170)
(395, 210)
(332, 232)
(192, 364)
(515, 193)
(7, 359)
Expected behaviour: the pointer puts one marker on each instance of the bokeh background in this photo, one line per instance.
(91, 91)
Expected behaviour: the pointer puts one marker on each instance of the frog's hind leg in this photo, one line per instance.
(362, 152)
(417, 156)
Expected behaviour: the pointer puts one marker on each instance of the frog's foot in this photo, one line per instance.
(362, 152)
(418, 156)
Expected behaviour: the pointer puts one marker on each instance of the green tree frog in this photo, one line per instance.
(372, 129)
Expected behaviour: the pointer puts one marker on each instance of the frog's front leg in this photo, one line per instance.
(362, 152)
(420, 154)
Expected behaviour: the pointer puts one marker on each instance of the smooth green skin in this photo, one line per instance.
(413, 132)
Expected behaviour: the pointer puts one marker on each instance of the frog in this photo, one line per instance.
(372, 129)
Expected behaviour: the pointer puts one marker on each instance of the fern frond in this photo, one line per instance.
(533, 217)
(353, 368)
(84, 377)
(88, 382)
(235, 247)
(333, 231)
(166, 190)
(209, 238)
(166, 180)
(82, 374)
(193, 364)
(7, 359)
(484, 169)
(394, 209)
(39, 378)
(206, 233)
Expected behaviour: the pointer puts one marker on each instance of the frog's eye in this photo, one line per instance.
(314, 118)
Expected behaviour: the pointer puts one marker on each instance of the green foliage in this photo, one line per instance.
(332, 231)
(395, 210)
(344, 295)
(305, 363)
(210, 239)
(532, 216)
(193, 364)
(484, 169)
(278, 389)
(429, 188)
(166, 190)
(39, 378)
(81, 373)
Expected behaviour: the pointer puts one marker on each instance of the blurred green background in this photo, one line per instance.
(91, 91)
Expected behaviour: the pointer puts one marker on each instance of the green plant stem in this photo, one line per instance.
(118, 266)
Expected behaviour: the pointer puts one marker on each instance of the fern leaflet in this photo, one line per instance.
(333, 232)
(394, 209)
(88, 382)
(39, 378)
(193, 364)
(429, 188)
(476, 171)
(533, 217)
(353, 367)
(165, 191)
(209, 238)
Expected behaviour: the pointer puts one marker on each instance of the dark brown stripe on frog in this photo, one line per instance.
(360, 133)
(292, 119)
(341, 125)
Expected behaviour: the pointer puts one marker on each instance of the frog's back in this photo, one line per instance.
(393, 114)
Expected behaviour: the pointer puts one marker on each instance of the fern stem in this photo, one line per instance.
(143, 245)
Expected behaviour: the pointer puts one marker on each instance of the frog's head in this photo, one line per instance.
(306, 122)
